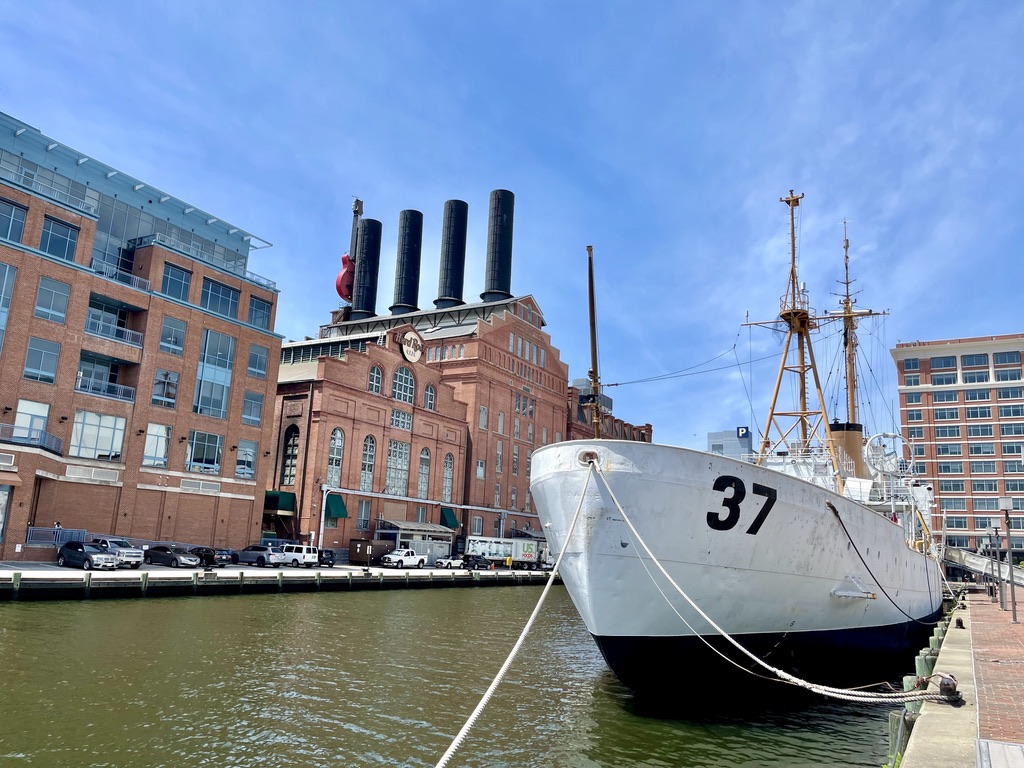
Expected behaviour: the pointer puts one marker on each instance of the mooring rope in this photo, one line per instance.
(835, 693)
(457, 741)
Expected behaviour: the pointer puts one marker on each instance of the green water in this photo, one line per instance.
(360, 679)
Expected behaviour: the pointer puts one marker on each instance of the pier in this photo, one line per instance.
(46, 582)
(986, 656)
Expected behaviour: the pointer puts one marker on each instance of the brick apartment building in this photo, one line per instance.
(138, 356)
(962, 410)
(507, 384)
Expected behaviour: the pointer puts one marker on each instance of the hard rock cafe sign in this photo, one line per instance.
(412, 346)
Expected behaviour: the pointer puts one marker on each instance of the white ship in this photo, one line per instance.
(814, 555)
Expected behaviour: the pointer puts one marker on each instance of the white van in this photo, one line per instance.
(298, 554)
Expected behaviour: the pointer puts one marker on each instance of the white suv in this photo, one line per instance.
(126, 552)
(298, 554)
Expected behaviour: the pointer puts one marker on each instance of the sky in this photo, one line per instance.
(661, 133)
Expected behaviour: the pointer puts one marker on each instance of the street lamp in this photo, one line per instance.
(1005, 505)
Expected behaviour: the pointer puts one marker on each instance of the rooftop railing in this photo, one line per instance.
(12, 433)
(48, 191)
(109, 271)
(201, 255)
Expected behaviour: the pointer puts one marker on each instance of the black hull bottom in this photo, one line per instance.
(668, 666)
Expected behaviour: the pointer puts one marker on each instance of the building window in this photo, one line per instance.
(951, 486)
(97, 436)
(1014, 467)
(7, 275)
(979, 449)
(911, 364)
(397, 472)
(259, 312)
(515, 460)
(976, 412)
(497, 457)
(986, 505)
(203, 452)
(544, 436)
(429, 395)
(944, 430)
(514, 494)
(1011, 411)
(956, 523)
(258, 357)
(529, 462)
(915, 414)
(529, 432)
(478, 525)
(1011, 430)
(982, 486)
(291, 455)
(981, 523)
(401, 419)
(52, 300)
(501, 423)
(948, 361)
(1006, 358)
(59, 239)
(41, 360)
(957, 541)
(12, 221)
(448, 477)
(1013, 449)
(1008, 374)
(515, 429)
(980, 468)
(245, 459)
(423, 481)
(943, 379)
(219, 299)
(363, 515)
(912, 380)
(974, 395)
(914, 398)
(483, 417)
(213, 377)
(948, 449)
(1010, 393)
(973, 361)
(950, 396)
(375, 380)
(952, 468)
(979, 430)
(975, 377)
(403, 385)
(917, 433)
(481, 469)
(366, 471)
(176, 282)
(421, 514)
(172, 336)
(334, 457)
(158, 438)
(165, 389)
(252, 409)
(497, 495)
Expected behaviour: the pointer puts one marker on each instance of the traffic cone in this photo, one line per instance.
(492, 566)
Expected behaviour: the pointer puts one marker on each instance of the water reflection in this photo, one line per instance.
(361, 680)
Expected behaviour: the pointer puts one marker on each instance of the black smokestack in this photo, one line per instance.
(453, 255)
(364, 289)
(498, 283)
(407, 272)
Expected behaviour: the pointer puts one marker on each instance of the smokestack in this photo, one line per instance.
(453, 255)
(498, 283)
(364, 290)
(407, 272)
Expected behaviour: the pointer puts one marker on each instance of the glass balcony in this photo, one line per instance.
(200, 255)
(12, 433)
(37, 185)
(104, 389)
(109, 271)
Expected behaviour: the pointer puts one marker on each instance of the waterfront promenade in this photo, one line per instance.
(987, 658)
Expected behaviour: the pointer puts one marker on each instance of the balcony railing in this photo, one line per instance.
(105, 389)
(109, 271)
(200, 255)
(51, 192)
(99, 324)
(12, 433)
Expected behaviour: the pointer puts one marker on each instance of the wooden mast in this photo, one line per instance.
(595, 381)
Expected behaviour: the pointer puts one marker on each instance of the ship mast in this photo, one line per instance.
(849, 336)
(595, 381)
(796, 315)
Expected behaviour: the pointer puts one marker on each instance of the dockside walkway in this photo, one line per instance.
(987, 659)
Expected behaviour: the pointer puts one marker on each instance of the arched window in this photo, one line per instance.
(423, 481)
(334, 458)
(403, 385)
(462, 350)
(429, 395)
(366, 474)
(375, 380)
(449, 474)
(291, 455)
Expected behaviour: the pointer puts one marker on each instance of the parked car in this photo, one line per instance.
(301, 554)
(327, 557)
(448, 562)
(476, 563)
(172, 555)
(209, 557)
(261, 555)
(125, 552)
(77, 554)
(403, 557)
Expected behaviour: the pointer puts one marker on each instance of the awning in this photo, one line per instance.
(411, 526)
(523, 533)
(279, 502)
(335, 507)
(448, 518)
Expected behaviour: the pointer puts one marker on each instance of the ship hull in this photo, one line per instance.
(808, 581)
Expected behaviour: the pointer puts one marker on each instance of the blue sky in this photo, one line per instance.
(661, 133)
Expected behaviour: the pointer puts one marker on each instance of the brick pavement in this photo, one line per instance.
(998, 667)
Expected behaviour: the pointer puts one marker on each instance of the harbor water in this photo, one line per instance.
(363, 679)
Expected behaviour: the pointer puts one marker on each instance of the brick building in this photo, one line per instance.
(962, 410)
(581, 418)
(495, 357)
(137, 355)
